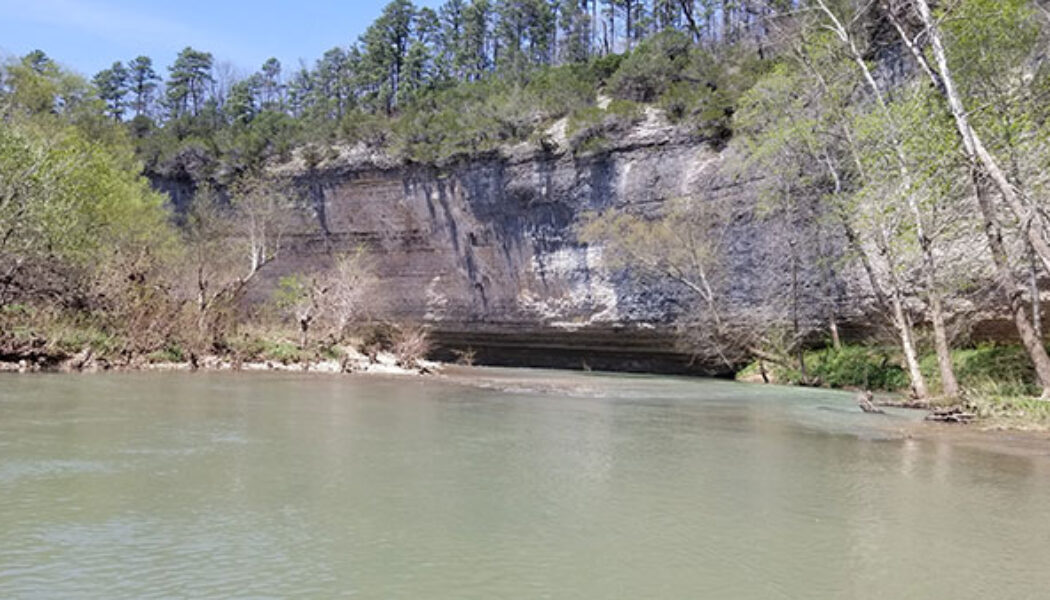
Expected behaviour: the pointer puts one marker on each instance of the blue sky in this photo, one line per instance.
(88, 35)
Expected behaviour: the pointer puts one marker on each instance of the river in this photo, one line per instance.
(523, 484)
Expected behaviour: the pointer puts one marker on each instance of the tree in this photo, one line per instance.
(301, 298)
(332, 83)
(420, 68)
(229, 246)
(188, 82)
(684, 246)
(574, 24)
(351, 286)
(36, 85)
(472, 57)
(142, 84)
(451, 20)
(72, 201)
(243, 105)
(634, 19)
(112, 86)
(894, 140)
(525, 34)
(271, 87)
(985, 169)
(386, 43)
(301, 92)
(800, 125)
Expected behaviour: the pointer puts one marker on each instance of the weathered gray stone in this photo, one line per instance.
(485, 251)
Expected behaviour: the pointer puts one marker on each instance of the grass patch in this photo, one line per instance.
(852, 367)
(1007, 367)
(880, 368)
(996, 404)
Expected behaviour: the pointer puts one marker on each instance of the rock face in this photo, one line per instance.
(485, 250)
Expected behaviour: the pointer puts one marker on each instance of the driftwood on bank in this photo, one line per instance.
(954, 414)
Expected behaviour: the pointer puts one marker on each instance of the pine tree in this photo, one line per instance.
(112, 87)
(472, 57)
(271, 88)
(187, 82)
(451, 17)
(574, 22)
(143, 84)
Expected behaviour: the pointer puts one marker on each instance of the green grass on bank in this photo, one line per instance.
(1004, 368)
(998, 381)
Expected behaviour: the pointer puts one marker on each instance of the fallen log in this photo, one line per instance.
(954, 414)
(866, 404)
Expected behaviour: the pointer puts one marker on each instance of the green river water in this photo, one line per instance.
(529, 485)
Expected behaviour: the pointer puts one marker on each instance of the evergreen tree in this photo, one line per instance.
(38, 61)
(420, 69)
(188, 81)
(271, 88)
(300, 92)
(525, 34)
(574, 22)
(112, 87)
(333, 83)
(386, 43)
(451, 17)
(472, 57)
(142, 83)
(242, 105)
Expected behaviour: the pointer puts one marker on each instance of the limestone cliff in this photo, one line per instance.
(485, 251)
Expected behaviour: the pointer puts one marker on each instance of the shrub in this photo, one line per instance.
(858, 367)
(411, 344)
(359, 126)
(590, 127)
(170, 354)
(465, 357)
(656, 63)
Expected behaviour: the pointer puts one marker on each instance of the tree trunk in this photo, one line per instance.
(949, 384)
(911, 358)
(904, 325)
(1033, 283)
(833, 327)
(628, 8)
(891, 302)
(304, 331)
(687, 11)
(594, 26)
(1007, 284)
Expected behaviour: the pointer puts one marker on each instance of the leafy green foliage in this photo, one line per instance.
(987, 370)
(80, 228)
(858, 367)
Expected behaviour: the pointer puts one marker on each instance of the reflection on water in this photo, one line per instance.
(533, 485)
